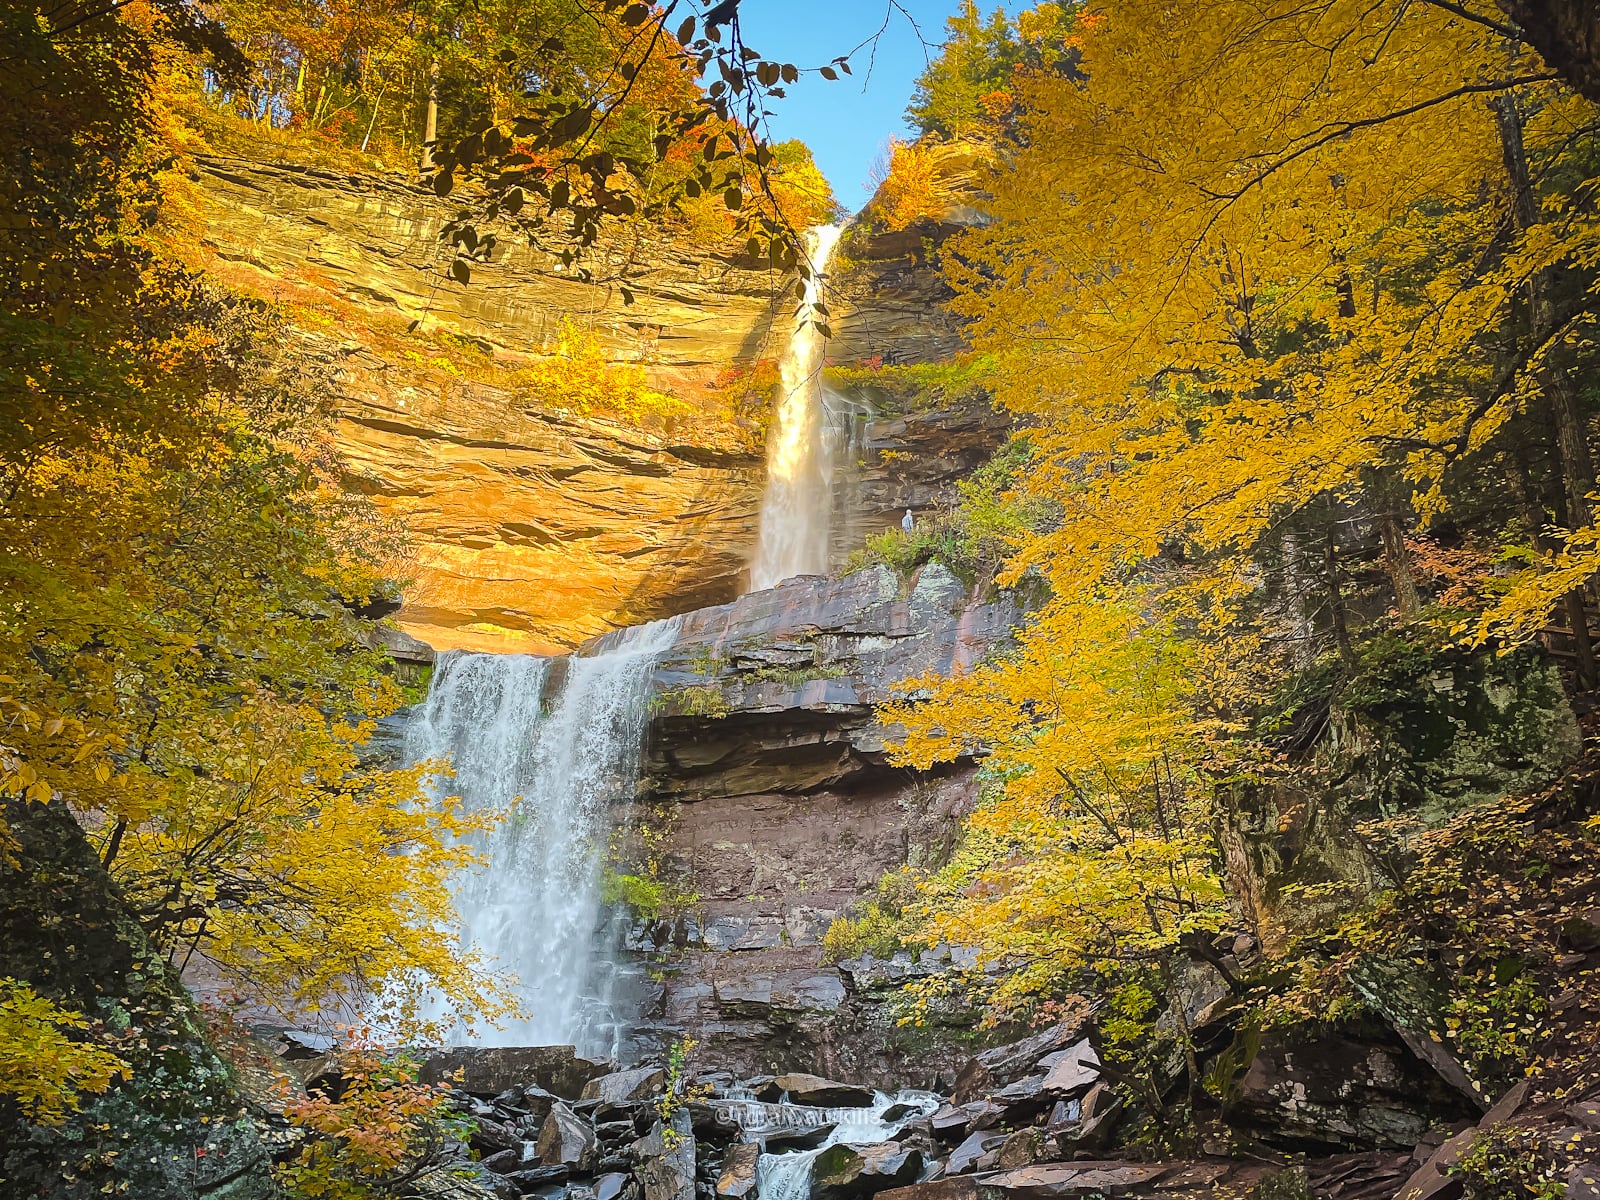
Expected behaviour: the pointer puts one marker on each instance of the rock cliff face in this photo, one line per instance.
(767, 773)
(536, 529)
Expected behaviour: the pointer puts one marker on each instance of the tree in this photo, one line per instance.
(1249, 341)
(182, 658)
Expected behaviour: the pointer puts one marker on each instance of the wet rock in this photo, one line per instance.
(490, 1070)
(610, 1186)
(824, 1093)
(797, 1139)
(845, 1171)
(978, 1153)
(738, 1177)
(620, 1087)
(667, 1162)
(566, 1140)
(899, 1111)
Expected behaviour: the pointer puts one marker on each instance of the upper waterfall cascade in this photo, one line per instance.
(556, 743)
(801, 450)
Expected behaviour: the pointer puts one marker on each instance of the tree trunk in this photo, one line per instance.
(1336, 614)
(1572, 439)
(1588, 670)
(430, 127)
(1566, 33)
(1397, 561)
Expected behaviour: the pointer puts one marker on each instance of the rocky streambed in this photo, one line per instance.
(1341, 1118)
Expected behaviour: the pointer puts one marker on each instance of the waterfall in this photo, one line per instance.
(787, 1176)
(558, 741)
(800, 459)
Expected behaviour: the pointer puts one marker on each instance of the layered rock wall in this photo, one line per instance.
(768, 775)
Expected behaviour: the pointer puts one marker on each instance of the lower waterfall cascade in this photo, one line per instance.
(557, 742)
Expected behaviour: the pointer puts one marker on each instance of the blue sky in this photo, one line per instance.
(845, 123)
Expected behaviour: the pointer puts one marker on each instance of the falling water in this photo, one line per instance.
(787, 1176)
(800, 460)
(559, 753)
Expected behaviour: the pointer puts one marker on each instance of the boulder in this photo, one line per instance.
(797, 1139)
(610, 1186)
(950, 1122)
(490, 1070)
(1075, 1070)
(738, 1177)
(1020, 1149)
(667, 1161)
(824, 1093)
(845, 1171)
(979, 1152)
(503, 1162)
(620, 1087)
(566, 1140)
(490, 1137)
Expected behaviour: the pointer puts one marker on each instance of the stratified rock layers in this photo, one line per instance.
(533, 530)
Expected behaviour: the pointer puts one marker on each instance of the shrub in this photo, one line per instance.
(381, 1131)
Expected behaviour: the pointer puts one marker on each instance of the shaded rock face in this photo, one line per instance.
(776, 692)
(765, 751)
(176, 1125)
(1337, 1091)
(1425, 745)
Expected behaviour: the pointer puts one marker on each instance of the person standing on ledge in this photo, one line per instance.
(908, 522)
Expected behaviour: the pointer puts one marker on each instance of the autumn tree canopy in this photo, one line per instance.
(1297, 304)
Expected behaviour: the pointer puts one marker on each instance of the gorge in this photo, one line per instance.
(541, 657)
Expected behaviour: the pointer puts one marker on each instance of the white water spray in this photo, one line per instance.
(559, 753)
(787, 1176)
(800, 460)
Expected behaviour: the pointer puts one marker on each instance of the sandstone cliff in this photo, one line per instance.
(535, 529)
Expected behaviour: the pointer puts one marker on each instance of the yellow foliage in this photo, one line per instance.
(45, 1061)
(910, 191)
(579, 378)
(1093, 849)
(1258, 267)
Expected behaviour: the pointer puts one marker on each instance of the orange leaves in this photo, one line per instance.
(382, 1126)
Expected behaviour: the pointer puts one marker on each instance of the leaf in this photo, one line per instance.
(733, 198)
(635, 14)
(460, 271)
(828, 72)
(686, 31)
